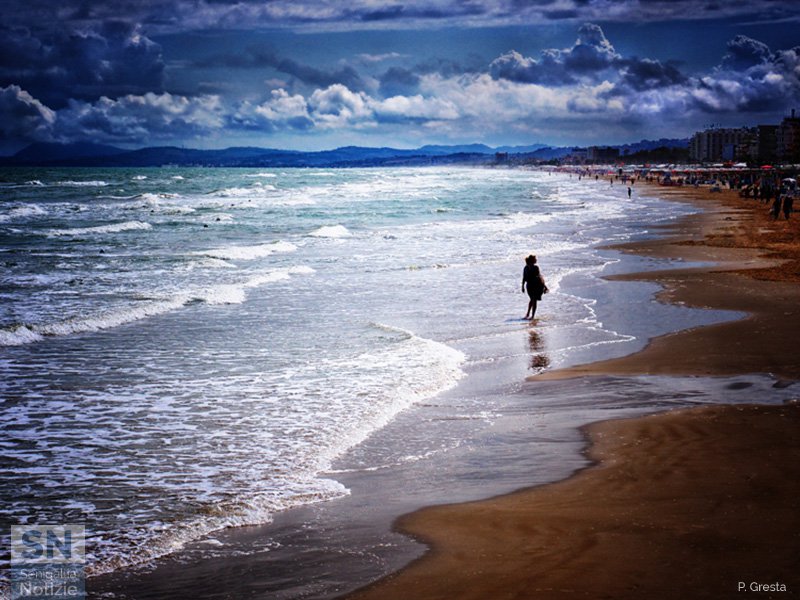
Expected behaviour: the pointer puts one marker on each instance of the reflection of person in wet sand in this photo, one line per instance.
(539, 360)
(535, 285)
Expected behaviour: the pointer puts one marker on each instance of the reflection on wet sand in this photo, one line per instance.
(539, 360)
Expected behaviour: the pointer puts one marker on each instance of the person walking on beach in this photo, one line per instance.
(776, 207)
(535, 285)
(788, 205)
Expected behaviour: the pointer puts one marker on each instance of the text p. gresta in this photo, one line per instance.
(755, 586)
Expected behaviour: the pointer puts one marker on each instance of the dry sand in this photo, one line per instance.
(686, 504)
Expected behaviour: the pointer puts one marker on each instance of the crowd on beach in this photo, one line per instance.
(768, 186)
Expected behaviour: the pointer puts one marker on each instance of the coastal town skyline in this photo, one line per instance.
(314, 76)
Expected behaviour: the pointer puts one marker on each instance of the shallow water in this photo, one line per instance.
(189, 349)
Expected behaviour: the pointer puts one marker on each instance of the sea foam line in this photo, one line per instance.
(436, 368)
(100, 229)
(331, 231)
(247, 252)
(234, 293)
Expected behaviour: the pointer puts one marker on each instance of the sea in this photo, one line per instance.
(184, 350)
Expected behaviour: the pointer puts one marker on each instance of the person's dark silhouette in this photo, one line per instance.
(532, 277)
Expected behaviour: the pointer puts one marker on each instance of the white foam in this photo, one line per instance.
(18, 336)
(407, 370)
(301, 270)
(166, 539)
(156, 198)
(21, 212)
(265, 175)
(27, 334)
(247, 252)
(207, 262)
(232, 293)
(139, 177)
(257, 189)
(100, 229)
(109, 319)
(223, 294)
(331, 231)
(156, 203)
(70, 183)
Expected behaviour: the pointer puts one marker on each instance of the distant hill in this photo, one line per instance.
(464, 148)
(97, 155)
(653, 144)
(520, 149)
(42, 151)
(662, 154)
(93, 155)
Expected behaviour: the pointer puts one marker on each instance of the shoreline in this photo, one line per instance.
(588, 540)
(334, 548)
(753, 271)
(676, 505)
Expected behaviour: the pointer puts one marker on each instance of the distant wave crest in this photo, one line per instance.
(247, 252)
(234, 293)
(100, 229)
(331, 231)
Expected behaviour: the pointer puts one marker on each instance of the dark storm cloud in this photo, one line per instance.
(750, 78)
(549, 69)
(345, 75)
(644, 74)
(104, 81)
(398, 81)
(111, 60)
(182, 15)
(422, 12)
(259, 57)
(23, 117)
(745, 52)
(136, 119)
(591, 54)
(471, 63)
(406, 80)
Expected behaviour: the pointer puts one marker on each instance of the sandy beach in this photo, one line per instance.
(755, 269)
(698, 503)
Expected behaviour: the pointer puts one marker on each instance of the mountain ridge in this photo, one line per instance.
(98, 155)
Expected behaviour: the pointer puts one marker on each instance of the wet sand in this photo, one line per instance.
(756, 271)
(684, 504)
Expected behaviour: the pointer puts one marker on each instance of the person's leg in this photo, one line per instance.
(530, 306)
(533, 309)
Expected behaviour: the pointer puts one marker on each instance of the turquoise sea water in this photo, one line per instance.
(183, 350)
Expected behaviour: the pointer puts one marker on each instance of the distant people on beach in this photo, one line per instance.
(788, 205)
(766, 192)
(776, 207)
(629, 192)
(532, 278)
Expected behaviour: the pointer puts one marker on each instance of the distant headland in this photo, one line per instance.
(98, 155)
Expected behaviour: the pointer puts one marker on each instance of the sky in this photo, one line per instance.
(319, 74)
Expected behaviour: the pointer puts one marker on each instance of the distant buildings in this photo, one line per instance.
(717, 145)
(592, 154)
(577, 156)
(767, 144)
(762, 144)
(787, 139)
